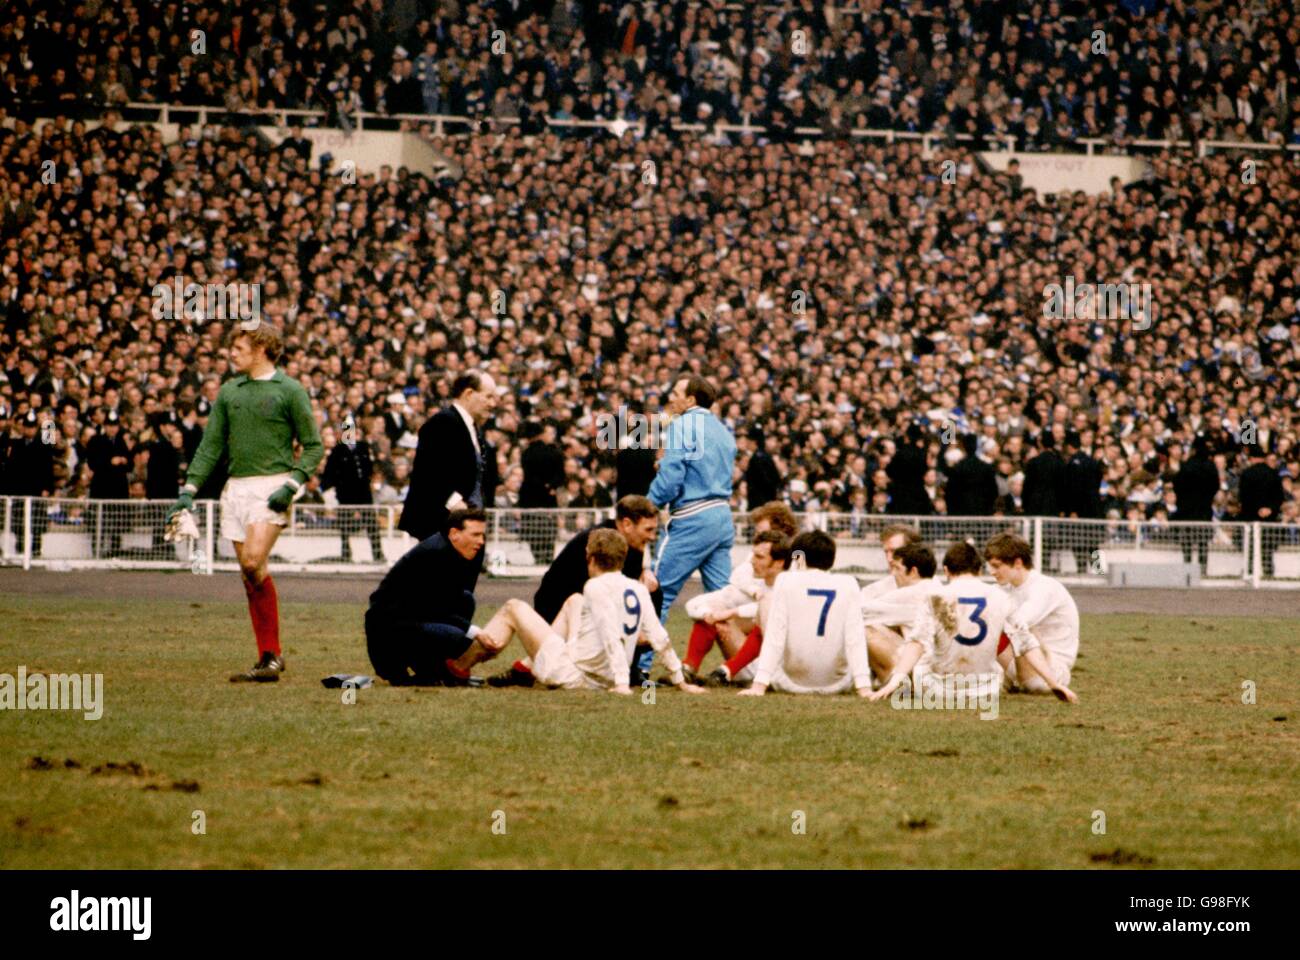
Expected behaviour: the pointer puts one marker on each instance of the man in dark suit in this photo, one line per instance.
(637, 519)
(29, 472)
(1195, 486)
(906, 472)
(635, 466)
(420, 617)
(347, 472)
(448, 468)
(1261, 494)
(972, 484)
(1081, 497)
(543, 465)
(1044, 479)
(762, 478)
(110, 462)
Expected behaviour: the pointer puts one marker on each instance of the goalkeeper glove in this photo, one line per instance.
(184, 502)
(280, 500)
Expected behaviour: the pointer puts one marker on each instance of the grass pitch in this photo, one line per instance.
(288, 775)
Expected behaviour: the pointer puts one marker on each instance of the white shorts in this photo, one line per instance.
(553, 667)
(243, 501)
(783, 684)
(1037, 684)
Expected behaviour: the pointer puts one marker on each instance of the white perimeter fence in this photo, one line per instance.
(59, 534)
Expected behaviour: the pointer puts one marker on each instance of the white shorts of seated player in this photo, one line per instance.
(1037, 684)
(243, 502)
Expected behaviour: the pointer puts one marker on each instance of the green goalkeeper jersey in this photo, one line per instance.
(255, 423)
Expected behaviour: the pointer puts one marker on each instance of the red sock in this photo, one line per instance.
(520, 667)
(454, 670)
(703, 637)
(1003, 642)
(747, 654)
(264, 611)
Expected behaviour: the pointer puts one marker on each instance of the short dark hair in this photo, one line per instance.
(634, 507)
(699, 388)
(457, 519)
(918, 557)
(1007, 548)
(780, 544)
(962, 558)
(817, 547)
(470, 380)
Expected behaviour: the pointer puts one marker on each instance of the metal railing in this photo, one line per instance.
(62, 534)
(440, 122)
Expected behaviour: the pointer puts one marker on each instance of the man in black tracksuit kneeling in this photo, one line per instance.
(420, 617)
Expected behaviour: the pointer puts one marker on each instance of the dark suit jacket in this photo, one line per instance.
(1260, 487)
(432, 583)
(636, 471)
(972, 488)
(444, 461)
(906, 473)
(1195, 486)
(1044, 485)
(1082, 492)
(762, 479)
(109, 482)
(348, 473)
(567, 574)
(543, 465)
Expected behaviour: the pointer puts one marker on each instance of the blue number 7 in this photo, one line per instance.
(979, 603)
(826, 608)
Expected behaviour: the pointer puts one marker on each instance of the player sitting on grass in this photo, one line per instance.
(637, 520)
(813, 640)
(892, 618)
(892, 538)
(730, 616)
(254, 422)
(591, 643)
(1043, 615)
(961, 647)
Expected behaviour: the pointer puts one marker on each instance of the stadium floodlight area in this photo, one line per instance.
(63, 534)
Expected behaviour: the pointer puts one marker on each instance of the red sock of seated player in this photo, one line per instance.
(520, 667)
(264, 610)
(703, 637)
(747, 654)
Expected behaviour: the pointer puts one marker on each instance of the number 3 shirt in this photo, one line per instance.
(814, 640)
(981, 612)
(616, 614)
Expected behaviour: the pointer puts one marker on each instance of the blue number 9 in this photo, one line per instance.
(633, 607)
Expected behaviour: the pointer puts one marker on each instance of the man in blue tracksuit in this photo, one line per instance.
(694, 482)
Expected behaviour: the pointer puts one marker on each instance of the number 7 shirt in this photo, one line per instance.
(814, 640)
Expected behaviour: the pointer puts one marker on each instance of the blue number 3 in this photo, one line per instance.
(979, 603)
(826, 607)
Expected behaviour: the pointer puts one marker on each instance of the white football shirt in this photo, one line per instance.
(1044, 614)
(814, 641)
(616, 613)
(981, 611)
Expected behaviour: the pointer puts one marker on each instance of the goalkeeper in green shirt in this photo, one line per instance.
(255, 420)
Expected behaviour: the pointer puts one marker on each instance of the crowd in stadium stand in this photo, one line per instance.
(865, 320)
(1045, 73)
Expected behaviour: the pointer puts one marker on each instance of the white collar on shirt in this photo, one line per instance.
(469, 425)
